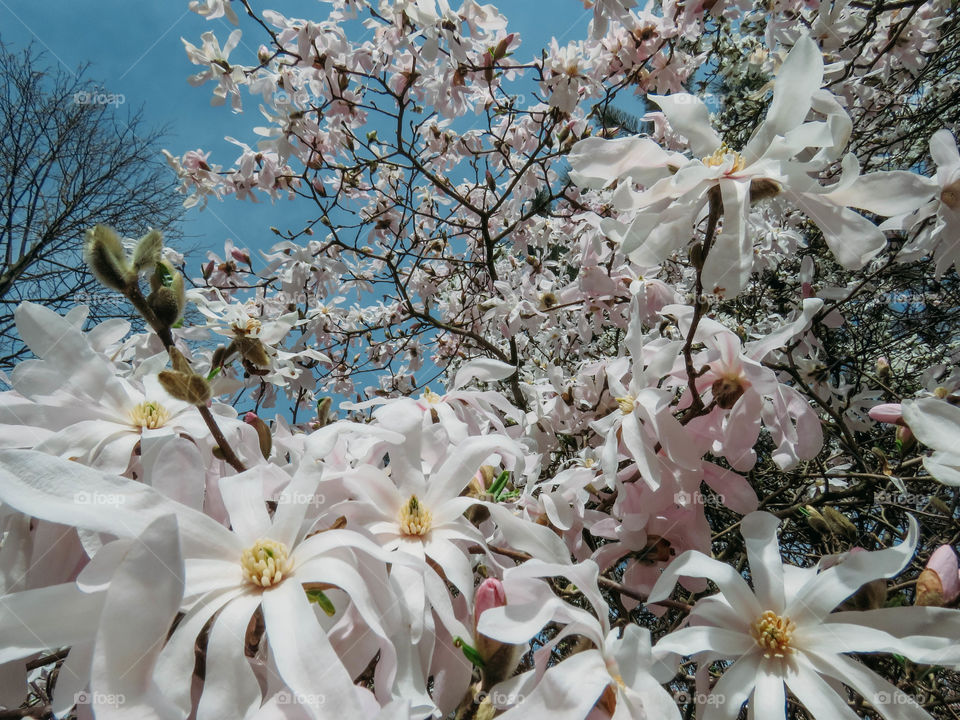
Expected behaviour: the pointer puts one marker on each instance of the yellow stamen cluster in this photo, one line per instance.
(250, 328)
(773, 634)
(415, 519)
(721, 155)
(266, 563)
(627, 403)
(430, 396)
(149, 415)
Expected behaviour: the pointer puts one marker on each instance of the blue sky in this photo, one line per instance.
(135, 49)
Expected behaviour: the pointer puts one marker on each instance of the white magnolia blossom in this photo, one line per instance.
(676, 188)
(936, 423)
(784, 634)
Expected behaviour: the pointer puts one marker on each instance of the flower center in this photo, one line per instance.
(727, 389)
(430, 396)
(150, 415)
(415, 519)
(627, 403)
(265, 563)
(721, 155)
(249, 327)
(773, 634)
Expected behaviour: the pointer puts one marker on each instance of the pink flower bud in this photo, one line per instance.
(241, 256)
(806, 290)
(887, 413)
(250, 418)
(939, 583)
(208, 269)
(490, 594)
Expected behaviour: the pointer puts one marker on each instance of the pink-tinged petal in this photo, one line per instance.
(230, 687)
(689, 116)
(741, 430)
(463, 462)
(734, 490)
(173, 465)
(304, 656)
(924, 634)
(886, 413)
(759, 530)
(454, 563)
(758, 349)
(58, 342)
(489, 594)
(640, 447)
(145, 594)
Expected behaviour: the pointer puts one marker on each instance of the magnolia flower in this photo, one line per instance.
(414, 506)
(130, 583)
(614, 675)
(211, 55)
(936, 423)
(939, 583)
(783, 633)
(677, 188)
(940, 237)
(270, 564)
(70, 401)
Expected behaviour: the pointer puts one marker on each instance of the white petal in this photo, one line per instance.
(759, 530)
(304, 656)
(689, 116)
(145, 594)
(230, 688)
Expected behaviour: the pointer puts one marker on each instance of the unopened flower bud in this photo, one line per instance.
(499, 659)
(241, 256)
(165, 305)
(939, 583)
(191, 389)
(263, 433)
(905, 439)
(887, 413)
(500, 51)
(208, 269)
(147, 252)
(883, 368)
(104, 254)
(253, 351)
(840, 524)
